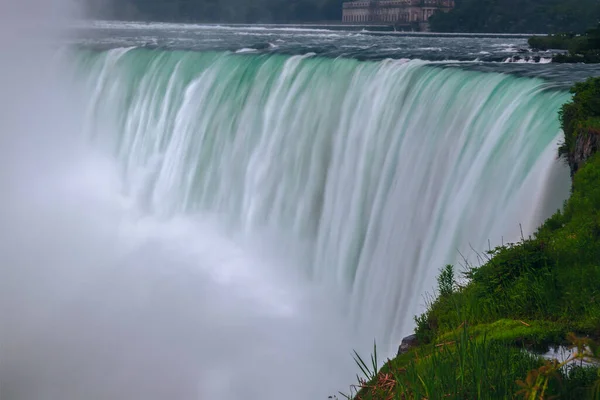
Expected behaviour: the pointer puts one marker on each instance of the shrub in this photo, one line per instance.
(446, 281)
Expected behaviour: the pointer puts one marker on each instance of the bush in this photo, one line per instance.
(446, 281)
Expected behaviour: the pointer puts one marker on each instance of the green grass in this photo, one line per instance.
(471, 364)
(534, 334)
(476, 367)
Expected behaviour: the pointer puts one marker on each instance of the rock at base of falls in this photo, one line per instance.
(408, 343)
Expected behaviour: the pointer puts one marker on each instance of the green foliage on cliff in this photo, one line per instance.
(581, 119)
(518, 16)
(529, 294)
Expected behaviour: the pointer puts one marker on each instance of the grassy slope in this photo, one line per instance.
(527, 294)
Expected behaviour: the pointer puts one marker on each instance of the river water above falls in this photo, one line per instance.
(226, 212)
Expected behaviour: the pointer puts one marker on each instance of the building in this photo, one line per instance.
(401, 13)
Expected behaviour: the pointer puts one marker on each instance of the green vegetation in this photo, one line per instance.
(509, 331)
(477, 340)
(230, 11)
(582, 48)
(560, 41)
(518, 16)
(510, 16)
(470, 367)
(581, 124)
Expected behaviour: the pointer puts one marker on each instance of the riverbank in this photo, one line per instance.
(484, 339)
(576, 48)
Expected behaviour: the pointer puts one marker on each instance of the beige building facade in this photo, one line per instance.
(396, 12)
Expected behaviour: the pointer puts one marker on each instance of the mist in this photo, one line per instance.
(99, 300)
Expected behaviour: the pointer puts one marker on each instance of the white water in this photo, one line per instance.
(238, 225)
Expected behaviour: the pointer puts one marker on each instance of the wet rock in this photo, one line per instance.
(261, 46)
(408, 343)
(587, 144)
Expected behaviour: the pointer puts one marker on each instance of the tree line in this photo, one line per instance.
(230, 11)
(519, 16)
(509, 16)
(581, 48)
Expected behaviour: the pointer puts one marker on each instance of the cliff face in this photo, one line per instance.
(581, 123)
(586, 144)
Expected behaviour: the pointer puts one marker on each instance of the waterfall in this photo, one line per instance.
(369, 176)
(184, 225)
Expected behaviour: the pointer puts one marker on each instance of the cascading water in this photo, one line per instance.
(383, 171)
(200, 246)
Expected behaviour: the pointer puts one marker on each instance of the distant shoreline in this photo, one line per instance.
(374, 29)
